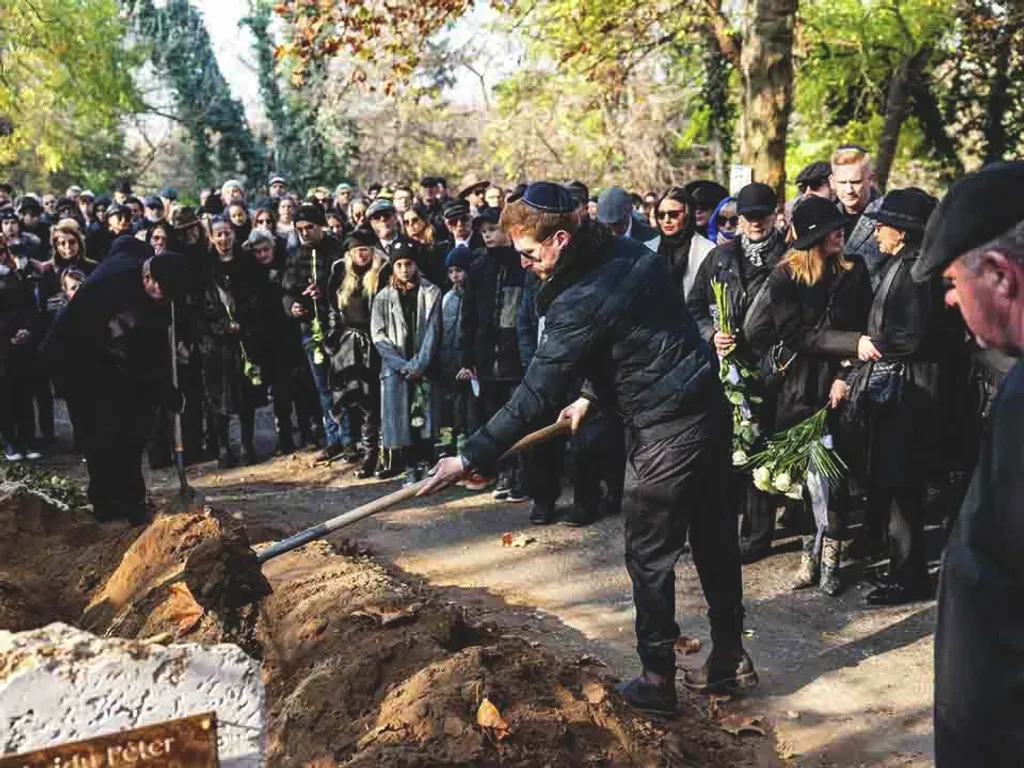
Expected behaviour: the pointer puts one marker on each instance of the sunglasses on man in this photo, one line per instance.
(463, 219)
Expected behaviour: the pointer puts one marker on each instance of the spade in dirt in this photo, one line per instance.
(187, 498)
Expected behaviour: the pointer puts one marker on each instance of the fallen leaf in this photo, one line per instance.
(736, 725)
(594, 692)
(516, 539)
(183, 609)
(506, 539)
(687, 645)
(488, 716)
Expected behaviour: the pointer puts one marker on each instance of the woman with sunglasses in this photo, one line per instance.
(724, 222)
(680, 243)
(743, 265)
(433, 249)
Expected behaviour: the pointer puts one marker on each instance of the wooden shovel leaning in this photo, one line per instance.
(386, 502)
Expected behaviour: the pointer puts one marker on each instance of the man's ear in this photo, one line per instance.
(1003, 274)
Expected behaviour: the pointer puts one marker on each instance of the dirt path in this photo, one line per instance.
(843, 685)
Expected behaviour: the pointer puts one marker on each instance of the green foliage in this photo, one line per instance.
(59, 488)
(65, 84)
(223, 145)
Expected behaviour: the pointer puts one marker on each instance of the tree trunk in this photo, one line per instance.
(897, 107)
(766, 70)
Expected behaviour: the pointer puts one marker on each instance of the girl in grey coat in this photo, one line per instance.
(406, 329)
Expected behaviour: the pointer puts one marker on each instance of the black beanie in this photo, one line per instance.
(170, 270)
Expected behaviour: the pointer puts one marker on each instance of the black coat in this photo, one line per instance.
(979, 637)
(906, 325)
(304, 266)
(821, 324)
(111, 340)
(613, 317)
(18, 312)
(234, 284)
(490, 312)
(744, 282)
(280, 352)
(354, 375)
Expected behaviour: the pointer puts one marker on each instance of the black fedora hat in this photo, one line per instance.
(906, 209)
(814, 219)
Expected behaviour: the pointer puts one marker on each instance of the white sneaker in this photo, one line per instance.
(32, 455)
(12, 455)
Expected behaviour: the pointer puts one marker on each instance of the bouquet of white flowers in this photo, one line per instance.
(783, 466)
(733, 374)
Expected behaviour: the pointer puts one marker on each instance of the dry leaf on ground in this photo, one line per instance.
(735, 724)
(516, 540)
(687, 645)
(184, 611)
(488, 716)
(387, 617)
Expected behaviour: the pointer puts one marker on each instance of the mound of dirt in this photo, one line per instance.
(52, 558)
(361, 668)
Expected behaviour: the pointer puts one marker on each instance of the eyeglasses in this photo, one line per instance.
(464, 219)
(533, 256)
(670, 215)
(732, 221)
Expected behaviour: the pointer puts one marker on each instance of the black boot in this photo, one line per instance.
(728, 668)
(543, 513)
(285, 442)
(656, 696)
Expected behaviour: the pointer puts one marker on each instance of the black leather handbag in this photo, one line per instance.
(885, 383)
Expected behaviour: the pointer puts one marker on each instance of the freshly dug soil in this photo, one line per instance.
(361, 668)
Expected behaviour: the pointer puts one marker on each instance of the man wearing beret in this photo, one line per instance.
(975, 240)
(108, 354)
(614, 318)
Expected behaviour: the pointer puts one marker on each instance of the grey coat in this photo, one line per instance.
(862, 242)
(388, 331)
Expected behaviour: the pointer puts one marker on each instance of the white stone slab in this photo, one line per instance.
(60, 684)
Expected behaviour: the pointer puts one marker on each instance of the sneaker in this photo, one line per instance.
(724, 672)
(477, 482)
(329, 454)
(12, 454)
(33, 455)
(516, 496)
(503, 488)
(647, 696)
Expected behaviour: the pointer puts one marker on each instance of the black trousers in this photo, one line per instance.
(676, 483)
(17, 417)
(112, 433)
(904, 508)
(42, 394)
(758, 511)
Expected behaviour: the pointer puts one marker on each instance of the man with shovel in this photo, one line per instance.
(108, 354)
(613, 318)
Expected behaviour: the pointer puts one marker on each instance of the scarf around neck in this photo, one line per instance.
(755, 253)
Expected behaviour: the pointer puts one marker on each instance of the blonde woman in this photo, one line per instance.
(354, 375)
(819, 304)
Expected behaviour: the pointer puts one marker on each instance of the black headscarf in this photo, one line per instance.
(676, 248)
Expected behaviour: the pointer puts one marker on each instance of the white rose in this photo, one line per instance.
(796, 491)
(826, 440)
(782, 482)
(739, 458)
(762, 479)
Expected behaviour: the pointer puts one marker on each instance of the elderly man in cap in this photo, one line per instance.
(458, 220)
(614, 317)
(975, 240)
(154, 209)
(615, 208)
(277, 188)
(108, 353)
(311, 252)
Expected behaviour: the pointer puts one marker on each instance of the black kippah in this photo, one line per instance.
(549, 197)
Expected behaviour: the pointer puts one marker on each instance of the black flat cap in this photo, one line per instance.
(428, 181)
(814, 175)
(487, 216)
(360, 238)
(312, 213)
(455, 208)
(549, 197)
(977, 209)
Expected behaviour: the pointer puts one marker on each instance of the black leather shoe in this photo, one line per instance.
(723, 672)
(227, 460)
(579, 516)
(749, 554)
(896, 594)
(329, 454)
(650, 697)
(543, 513)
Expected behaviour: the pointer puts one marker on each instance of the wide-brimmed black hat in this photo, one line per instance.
(977, 209)
(906, 209)
(814, 220)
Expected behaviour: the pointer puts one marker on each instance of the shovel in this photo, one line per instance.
(187, 500)
(386, 502)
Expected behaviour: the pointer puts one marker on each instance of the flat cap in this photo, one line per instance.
(814, 174)
(380, 205)
(549, 197)
(455, 208)
(487, 216)
(362, 237)
(614, 205)
(153, 202)
(312, 213)
(977, 209)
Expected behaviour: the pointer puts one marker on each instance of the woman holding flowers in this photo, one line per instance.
(899, 384)
(819, 305)
(232, 327)
(729, 301)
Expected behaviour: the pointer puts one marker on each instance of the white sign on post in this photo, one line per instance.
(739, 177)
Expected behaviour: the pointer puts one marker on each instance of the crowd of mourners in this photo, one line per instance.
(384, 325)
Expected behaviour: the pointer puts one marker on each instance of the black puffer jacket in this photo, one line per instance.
(612, 316)
(305, 265)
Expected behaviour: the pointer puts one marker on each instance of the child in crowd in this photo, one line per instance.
(71, 280)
